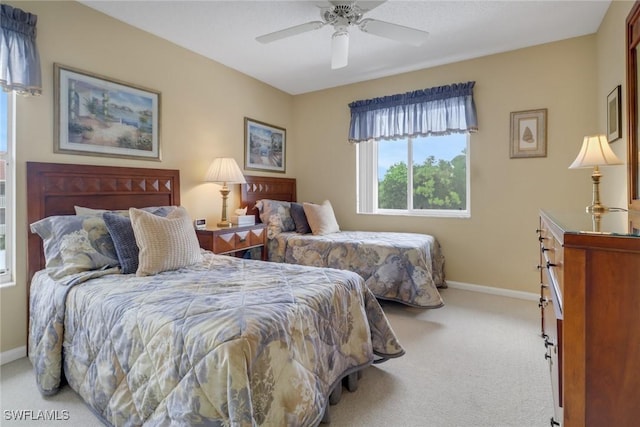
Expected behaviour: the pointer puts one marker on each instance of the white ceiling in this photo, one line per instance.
(225, 31)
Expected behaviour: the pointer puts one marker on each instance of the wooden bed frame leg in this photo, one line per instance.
(326, 418)
(336, 394)
(351, 381)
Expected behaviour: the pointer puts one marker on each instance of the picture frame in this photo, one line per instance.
(99, 116)
(264, 146)
(614, 118)
(528, 134)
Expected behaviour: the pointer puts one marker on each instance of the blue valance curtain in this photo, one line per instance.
(435, 111)
(19, 58)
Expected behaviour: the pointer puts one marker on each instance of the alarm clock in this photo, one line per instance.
(200, 224)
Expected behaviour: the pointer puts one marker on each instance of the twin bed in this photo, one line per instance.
(221, 341)
(403, 267)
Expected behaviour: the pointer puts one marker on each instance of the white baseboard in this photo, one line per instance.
(530, 296)
(13, 354)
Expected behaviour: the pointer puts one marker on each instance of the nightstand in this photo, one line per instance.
(234, 240)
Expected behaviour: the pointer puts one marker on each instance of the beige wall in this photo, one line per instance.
(202, 108)
(611, 71)
(496, 246)
(203, 104)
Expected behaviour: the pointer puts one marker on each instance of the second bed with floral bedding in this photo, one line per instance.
(403, 267)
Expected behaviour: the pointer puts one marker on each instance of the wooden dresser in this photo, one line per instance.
(590, 310)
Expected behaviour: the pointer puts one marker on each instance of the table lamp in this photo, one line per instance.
(224, 170)
(595, 152)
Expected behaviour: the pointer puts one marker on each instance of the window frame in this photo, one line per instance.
(367, 180)
(7, 278)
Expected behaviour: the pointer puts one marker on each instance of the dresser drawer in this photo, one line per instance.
(233, 240)
(257, 237)
(225, 242)
(552, 263)
(552, 336)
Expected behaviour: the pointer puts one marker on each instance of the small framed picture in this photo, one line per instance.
(529, 133)
(614, 119)
(264, 146)
(99, 116)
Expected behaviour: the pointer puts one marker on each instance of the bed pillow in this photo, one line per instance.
(276, 214)
(321, 218)
(300, 218)
(124, 240)
(158, 210)
(75, 243)
(165, 243)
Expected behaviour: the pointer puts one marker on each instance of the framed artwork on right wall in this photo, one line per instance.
(614, 120)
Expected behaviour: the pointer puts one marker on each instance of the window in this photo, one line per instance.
(7, 183)
(415, 176)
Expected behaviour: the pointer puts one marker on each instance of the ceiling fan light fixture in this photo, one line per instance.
(339, 49)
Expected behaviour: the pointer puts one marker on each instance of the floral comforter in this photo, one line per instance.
(225, 342)
(403, 267)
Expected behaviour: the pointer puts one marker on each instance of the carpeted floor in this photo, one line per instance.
(478, 361)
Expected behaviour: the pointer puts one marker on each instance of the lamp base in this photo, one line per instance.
(596, 209)
(224, 224)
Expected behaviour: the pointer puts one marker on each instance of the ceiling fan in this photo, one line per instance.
(342, 15)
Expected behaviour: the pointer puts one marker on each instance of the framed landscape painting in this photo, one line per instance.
(264, 146)
(99, 116)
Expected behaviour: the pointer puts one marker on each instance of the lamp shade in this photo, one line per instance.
(595, 151)
(225, 170)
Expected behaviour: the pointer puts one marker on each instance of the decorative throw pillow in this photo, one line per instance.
(164, 243)
(75, 243)
(299, 218)
(321, 218)
(276, 213)
(124, 239)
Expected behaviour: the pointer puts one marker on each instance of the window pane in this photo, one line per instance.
(3, 231)
(4, 124)
(4, 96)
(440, 172)
(392, 174)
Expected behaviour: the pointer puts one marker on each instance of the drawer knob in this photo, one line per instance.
(547, 356)
(540, 237)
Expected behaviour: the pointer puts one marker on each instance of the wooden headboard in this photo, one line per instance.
(263, 187)
(55, 188)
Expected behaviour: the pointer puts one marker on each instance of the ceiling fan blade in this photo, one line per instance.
(367, 5)
(291, 31)
(339, 49)
(395, 32)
